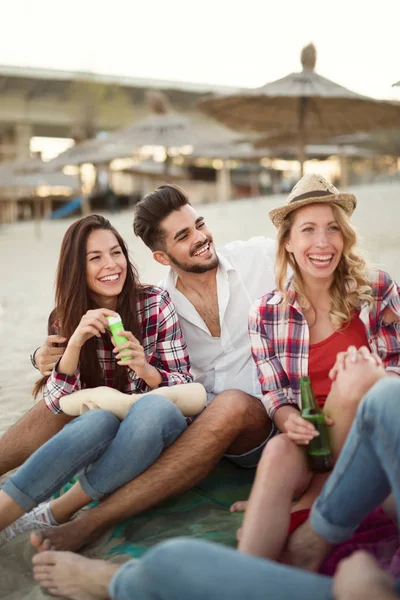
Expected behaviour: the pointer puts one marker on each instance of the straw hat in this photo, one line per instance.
(313, 189)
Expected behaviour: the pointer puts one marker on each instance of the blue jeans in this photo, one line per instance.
(197, 570)
(109, 452)
(367, 470)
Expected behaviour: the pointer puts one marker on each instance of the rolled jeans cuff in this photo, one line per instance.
(88, 489)
(22, 499)
(120, 586)
(334, 534)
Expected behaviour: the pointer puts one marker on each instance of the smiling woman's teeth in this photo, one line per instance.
(110, 278)
(320, 259)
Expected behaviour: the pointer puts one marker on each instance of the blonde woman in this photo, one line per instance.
(331, 306)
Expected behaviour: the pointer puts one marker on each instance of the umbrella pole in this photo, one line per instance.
(85, 203)
(224, 183)
(302, 134)
(344, 179)
(167, 162)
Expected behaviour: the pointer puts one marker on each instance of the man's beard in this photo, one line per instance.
(195, 268)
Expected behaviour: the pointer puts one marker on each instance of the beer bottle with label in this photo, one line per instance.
(318, 450)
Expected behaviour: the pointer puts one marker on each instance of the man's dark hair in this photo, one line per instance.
(153, 209)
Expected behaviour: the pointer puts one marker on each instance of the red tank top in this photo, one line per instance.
(322, 356)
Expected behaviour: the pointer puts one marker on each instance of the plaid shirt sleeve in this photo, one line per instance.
(274, 381)
(171, 357)
(163, 342)
(388, 334)
(59, 384)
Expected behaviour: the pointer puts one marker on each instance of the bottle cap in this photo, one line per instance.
(114, 320)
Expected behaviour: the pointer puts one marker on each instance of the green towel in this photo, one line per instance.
(202, 512)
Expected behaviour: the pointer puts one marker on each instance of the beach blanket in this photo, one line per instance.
(203, 512)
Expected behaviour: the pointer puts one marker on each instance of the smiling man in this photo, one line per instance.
(212, 293)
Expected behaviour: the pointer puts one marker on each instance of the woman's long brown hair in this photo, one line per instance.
(73, 299)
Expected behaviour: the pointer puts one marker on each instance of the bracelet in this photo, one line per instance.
(32, 357)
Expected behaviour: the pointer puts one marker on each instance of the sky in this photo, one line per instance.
(243, 44)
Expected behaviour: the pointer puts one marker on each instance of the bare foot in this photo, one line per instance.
(305, 548)
(68, 536)
(73, 576)
(239, 506)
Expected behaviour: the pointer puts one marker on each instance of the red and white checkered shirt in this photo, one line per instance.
(279, 339)
(163, 344)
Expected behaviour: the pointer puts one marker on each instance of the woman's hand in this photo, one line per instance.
(137, 360)
(301, 431)
(93, 323)
(351, 356)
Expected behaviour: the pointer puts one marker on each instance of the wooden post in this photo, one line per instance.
(47, 206)
(344, 173)
(224, 183)
(302, 133)
(37, 211)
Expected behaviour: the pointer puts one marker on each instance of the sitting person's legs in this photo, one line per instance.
(98, 442)
(179, 569)
(234, 422)
(365, 473)
(267, 509)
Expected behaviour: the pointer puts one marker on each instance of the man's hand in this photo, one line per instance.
(361, 578)
(48, 354)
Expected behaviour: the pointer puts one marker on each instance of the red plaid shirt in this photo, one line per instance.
(279, 339)
(163, 344)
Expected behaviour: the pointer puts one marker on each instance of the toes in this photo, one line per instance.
(36, 539)
(45, 558)
(239, 506)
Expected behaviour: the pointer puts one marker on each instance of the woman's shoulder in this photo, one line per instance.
(269, 302)
(380, 282)
(151, 295)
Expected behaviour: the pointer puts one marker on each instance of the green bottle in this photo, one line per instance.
(318, 450)
(115, 325)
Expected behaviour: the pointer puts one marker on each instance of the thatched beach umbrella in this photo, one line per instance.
(304, 106)
(170, 130)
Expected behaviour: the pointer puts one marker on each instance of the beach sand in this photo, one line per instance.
(27, 271)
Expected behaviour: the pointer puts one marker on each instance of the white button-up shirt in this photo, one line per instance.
(245, 273)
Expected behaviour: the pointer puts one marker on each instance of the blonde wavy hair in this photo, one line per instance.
(350, 284)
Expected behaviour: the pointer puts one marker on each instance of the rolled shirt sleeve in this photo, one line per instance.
(58, 385)
(274, 381)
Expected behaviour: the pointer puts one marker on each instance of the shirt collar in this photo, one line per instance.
(277, 297)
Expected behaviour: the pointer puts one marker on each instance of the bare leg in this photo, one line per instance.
(64, 507)
(234, 422)
(305, 548)
(29, 433)
(281, 473)
(73, 576)
(10, 511)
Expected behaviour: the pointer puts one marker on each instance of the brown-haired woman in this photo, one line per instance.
(330, 306)
(95, 279)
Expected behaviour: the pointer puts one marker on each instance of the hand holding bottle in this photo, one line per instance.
(93, 323)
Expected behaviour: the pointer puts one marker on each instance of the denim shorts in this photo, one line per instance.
(249, 460)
